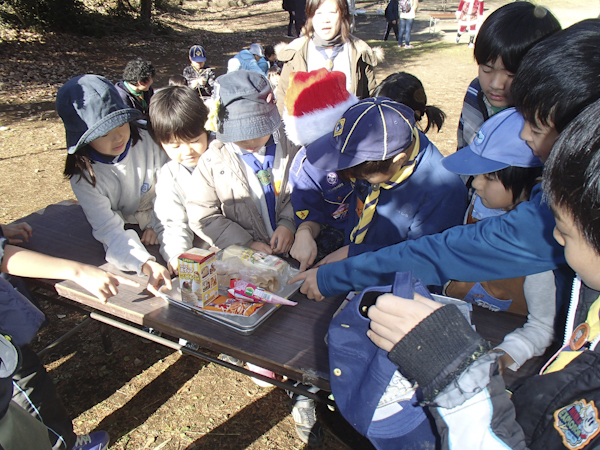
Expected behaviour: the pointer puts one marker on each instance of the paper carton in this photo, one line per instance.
(198, 277)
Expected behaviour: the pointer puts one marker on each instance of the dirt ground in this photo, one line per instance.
(144, 395)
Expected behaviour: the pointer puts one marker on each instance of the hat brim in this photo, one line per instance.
(198, 59)
(466, 162)
(324, 154)
(100, 128)
(249, 127)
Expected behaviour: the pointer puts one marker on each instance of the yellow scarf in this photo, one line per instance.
(360, 231)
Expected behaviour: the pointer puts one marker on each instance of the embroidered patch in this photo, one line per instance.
(332, 178)
(339, 127)
(145, 188)
(302, 214)
(577, 423)
(479, 137)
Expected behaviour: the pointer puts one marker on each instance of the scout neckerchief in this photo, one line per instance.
(583, 337)
(109, 159)
(337, 44)
(264, 176)
(360, 231)
(139, 95)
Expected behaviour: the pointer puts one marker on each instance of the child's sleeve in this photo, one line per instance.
(123, 247)
(174, 233)
(205, 215)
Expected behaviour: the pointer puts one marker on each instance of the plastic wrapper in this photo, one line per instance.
(258, 268)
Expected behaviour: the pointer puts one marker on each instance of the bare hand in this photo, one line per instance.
(16, 233)
(100, 283)
(157, 276)
(304, 249)
(282, 240)
(261, 247)
(173, 267)
(339, 255)
(310, 287)
(393, 317)
(149, 237)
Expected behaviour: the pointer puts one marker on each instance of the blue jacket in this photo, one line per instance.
(318, 195)
(431, 200)
(244, 60)
(516, 244)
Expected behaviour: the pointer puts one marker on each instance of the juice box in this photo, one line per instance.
(198, 277)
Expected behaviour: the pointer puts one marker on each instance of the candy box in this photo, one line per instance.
(198, 277)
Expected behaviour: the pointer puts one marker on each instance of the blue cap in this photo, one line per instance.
(374, 129)
(197, 54)
(496, 146)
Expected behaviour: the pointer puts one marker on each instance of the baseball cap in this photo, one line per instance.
(374, 129)
(197, 53)
(256, 49)
(246, 106)
(496, 146)
(90, 107)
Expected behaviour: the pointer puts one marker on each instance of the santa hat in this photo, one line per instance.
(314, 102)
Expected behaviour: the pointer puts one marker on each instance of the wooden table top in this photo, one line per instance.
(290, 342)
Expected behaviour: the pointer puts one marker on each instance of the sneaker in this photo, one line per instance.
(98, 440)
(261, 371)
(291, 36)
(471, 45)
(457, 38)
(308, 427)
(408, 46)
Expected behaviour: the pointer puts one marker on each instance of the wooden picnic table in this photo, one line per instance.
(291, 342)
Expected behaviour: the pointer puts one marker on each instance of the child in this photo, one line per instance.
(198, 75)
(376, 145)
(177, 80)
(112, 167)
(407, 89)
(556, 409)
(391, 19)
(314, 102)
(504, 39)
(505, 172)
(469, 15)
(135, 88)
(271, 57)
(177, 118)
(543, 97)
(408, 11)
(273, 76)
(327, 43)
(242, 194)
(251, 59)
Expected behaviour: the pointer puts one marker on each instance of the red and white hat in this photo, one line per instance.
(314, 102)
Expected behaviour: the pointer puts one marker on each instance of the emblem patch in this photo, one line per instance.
(339, 127)
(577, 423)
(479, 137)
(302, 214)
(332, 178)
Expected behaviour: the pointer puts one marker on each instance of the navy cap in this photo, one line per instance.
(374, 129)
(197, 54)
(90, 107)
(496, 146)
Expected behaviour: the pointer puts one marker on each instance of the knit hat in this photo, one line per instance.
(256, 49)
(374, 129)
(496, 146)
(314, 102)
(90, 107)
(243, 107)
(197, 54)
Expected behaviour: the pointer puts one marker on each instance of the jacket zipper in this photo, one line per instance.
(575, 290)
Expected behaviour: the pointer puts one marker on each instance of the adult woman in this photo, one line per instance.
(408, 10)
(327, 43)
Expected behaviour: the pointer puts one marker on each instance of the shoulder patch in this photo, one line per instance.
(339, 127)
(577, 423)
(302, 214)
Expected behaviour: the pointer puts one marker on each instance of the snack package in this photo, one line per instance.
(198, 277)
(258, 268)
(244, 291)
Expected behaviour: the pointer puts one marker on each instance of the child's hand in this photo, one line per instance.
(310, 287)
(16, 233)
(261, 247)
(157, 275)
(173, 267)
(339, 255)
(393, 317)
(282, 240)
(149, 237)
(100, 283)
(304, 249)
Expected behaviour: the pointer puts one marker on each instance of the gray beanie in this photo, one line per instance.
(246, 107)
(90, 107)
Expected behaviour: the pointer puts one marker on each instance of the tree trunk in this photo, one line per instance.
(146, 10)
